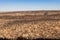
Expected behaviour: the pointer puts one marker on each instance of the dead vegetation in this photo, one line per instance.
(30, 26)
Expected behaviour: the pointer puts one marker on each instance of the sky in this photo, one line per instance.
(28, 5)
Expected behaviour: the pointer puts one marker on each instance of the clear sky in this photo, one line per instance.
(24, 5)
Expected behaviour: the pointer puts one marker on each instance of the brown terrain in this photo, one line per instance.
(30, 24)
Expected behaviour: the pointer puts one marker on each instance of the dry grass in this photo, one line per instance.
(30, 26)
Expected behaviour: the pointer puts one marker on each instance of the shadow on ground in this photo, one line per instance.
(28, 39)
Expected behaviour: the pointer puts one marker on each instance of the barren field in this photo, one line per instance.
(30, 24)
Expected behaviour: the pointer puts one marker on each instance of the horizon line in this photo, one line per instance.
(28, 10)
